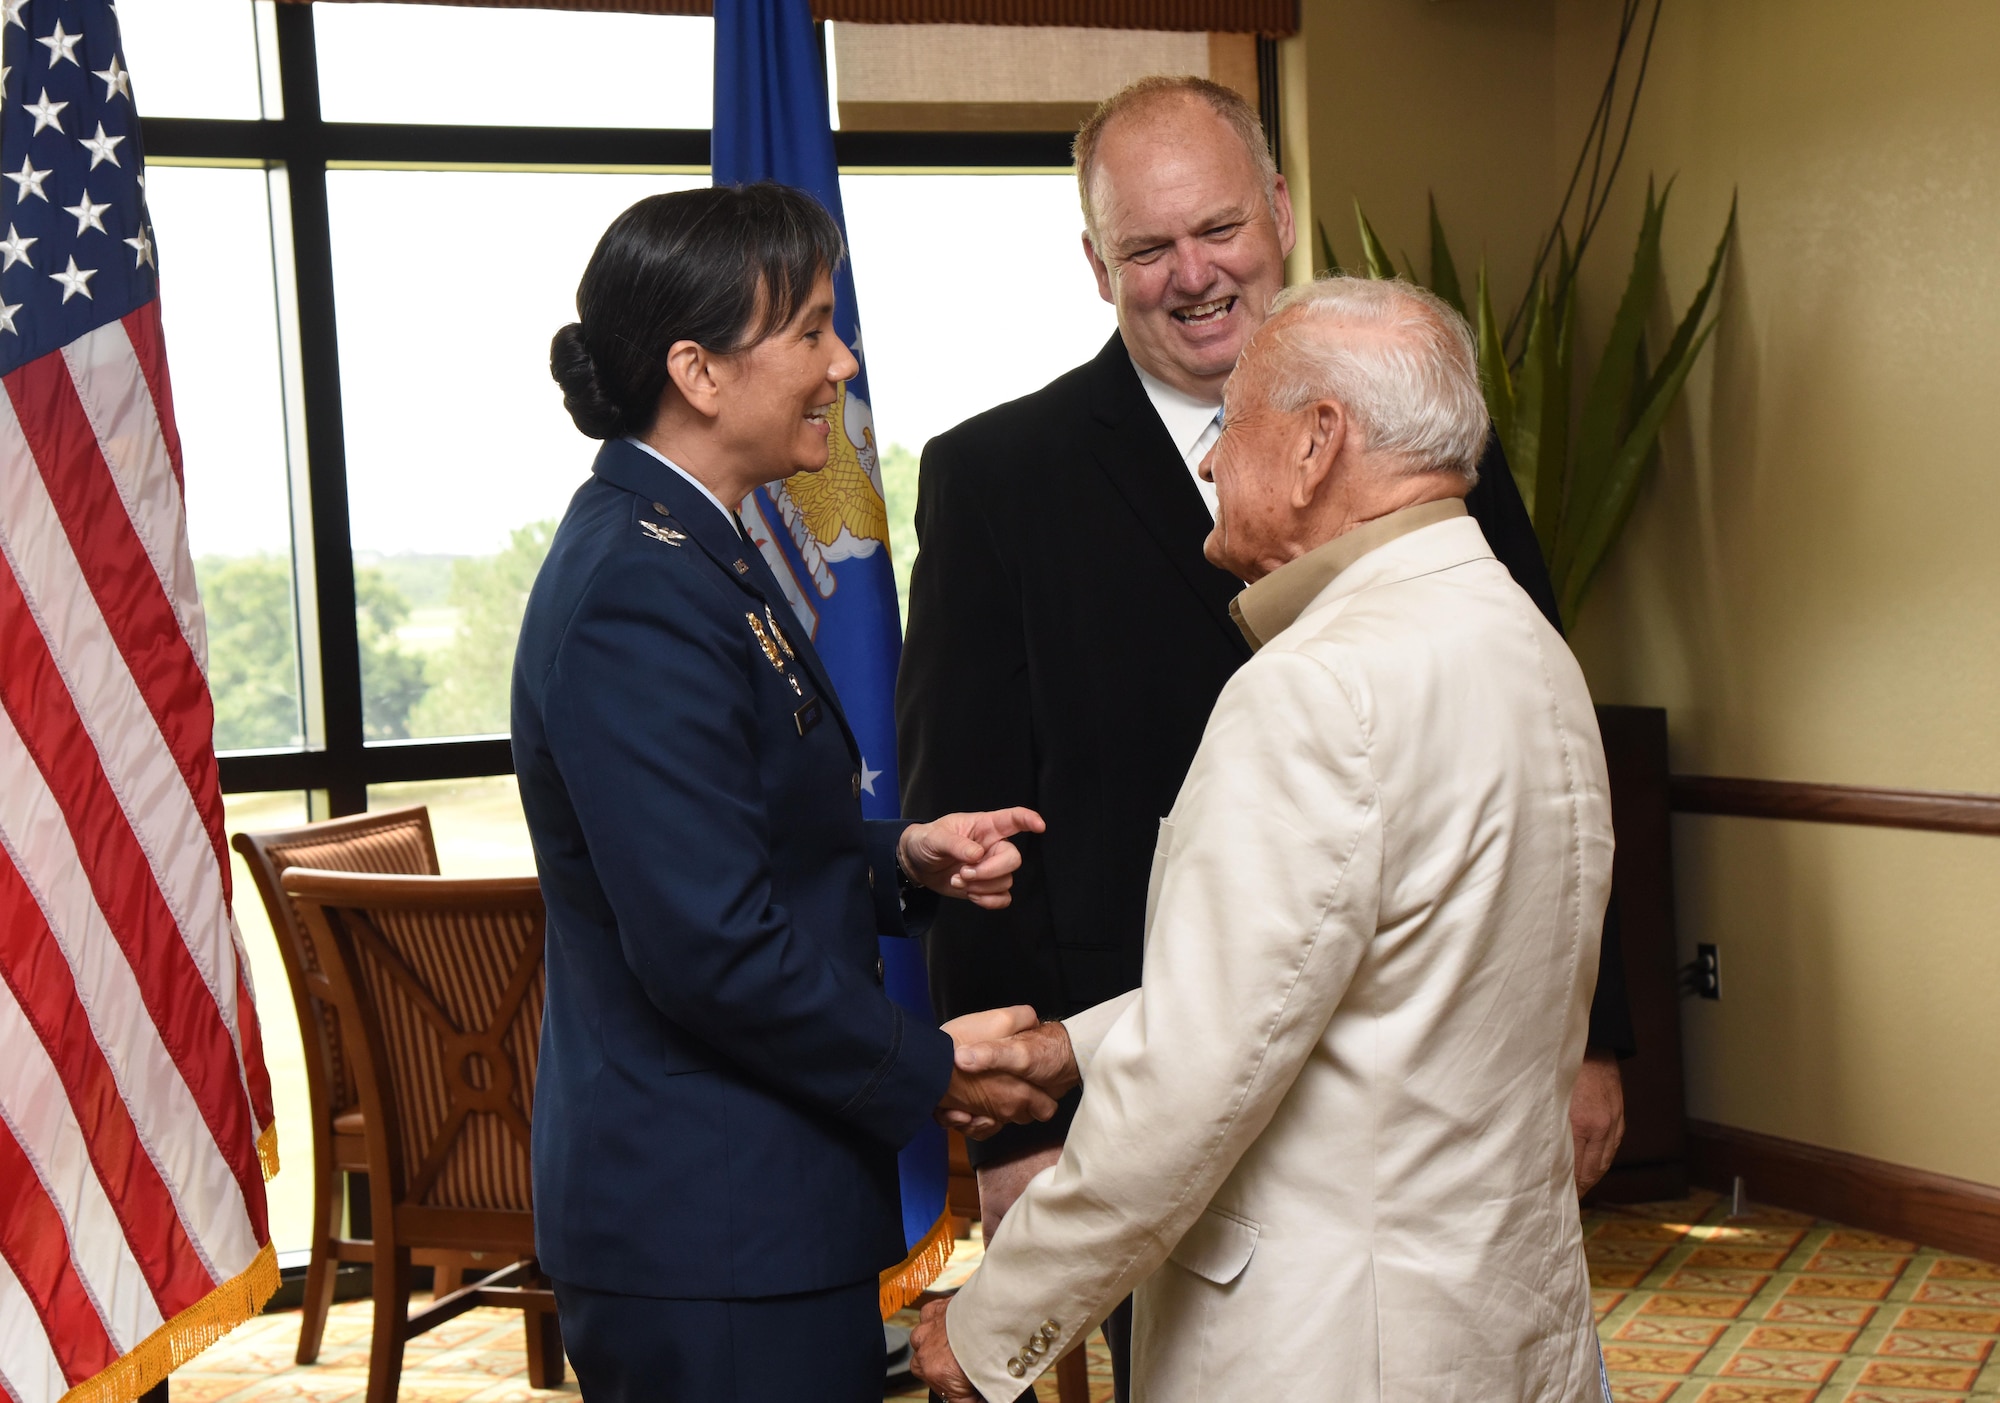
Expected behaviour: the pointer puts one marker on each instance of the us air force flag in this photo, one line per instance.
(825, 535)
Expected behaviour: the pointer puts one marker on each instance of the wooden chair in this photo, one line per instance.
(394, 840)
(439, 987)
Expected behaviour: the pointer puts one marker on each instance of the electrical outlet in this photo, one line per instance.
(1707, 972)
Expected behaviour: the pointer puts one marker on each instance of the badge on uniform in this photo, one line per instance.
(764, 642)
(778, 633)
(662, 533)
(807, 716)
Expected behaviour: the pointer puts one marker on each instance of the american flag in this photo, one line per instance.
(135, 1112)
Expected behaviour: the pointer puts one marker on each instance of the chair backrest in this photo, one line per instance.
(440, 982)
(392, 840)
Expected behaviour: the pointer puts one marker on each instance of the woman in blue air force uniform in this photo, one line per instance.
(723, 1084)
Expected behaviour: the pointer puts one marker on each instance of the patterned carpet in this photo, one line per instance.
(1694, 1307)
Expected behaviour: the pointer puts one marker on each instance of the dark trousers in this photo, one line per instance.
(1118, 1339)
(820, 1345)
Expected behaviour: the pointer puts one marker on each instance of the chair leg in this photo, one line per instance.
(392, 1314)
(323, 1267)
(445, 1280)
(1073, 1376)
(545, 1350)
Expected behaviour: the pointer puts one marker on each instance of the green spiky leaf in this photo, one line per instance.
(1607, 400)
(1329, 260)
(1373, 254)
(1444, 273)
(1498, 384)
(1531, 395)
(1684, 334)
(1622, 482)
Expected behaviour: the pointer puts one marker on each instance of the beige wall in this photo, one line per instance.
(1812, 586)
(1414, 96)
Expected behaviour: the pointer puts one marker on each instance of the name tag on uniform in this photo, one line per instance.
(807, 716)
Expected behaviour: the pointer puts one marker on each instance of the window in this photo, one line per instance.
(219, 308)
(201, 58)
(454, 65)
(941, 308)
(460, 459)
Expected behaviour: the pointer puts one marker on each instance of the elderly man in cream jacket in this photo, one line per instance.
(1325, 1139)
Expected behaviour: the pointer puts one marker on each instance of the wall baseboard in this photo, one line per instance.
(1936, 1210)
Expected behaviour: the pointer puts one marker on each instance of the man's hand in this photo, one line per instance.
(980, 1100)
(1040, 1057)
(1596, 1116)
(932, 1361)
(968, 855)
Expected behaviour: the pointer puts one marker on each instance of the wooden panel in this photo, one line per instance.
(964, 116)
(1934, 1210)
(1232, 62)
(1269, 17)
(1838, 803)
(1652, 1161)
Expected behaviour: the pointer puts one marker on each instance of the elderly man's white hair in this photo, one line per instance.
(1396, 357)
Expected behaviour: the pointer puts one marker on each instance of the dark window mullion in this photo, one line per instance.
(581, 148)
(326, 452)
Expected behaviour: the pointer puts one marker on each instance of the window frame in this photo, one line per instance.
(342, 763)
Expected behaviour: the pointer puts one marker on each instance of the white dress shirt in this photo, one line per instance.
(727, 515)
(1192, 425)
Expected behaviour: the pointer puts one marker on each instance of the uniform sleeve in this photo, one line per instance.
(1268, 901)
(652, 724)
(1495, 503)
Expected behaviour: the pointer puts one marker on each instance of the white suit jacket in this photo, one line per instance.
(1327, 1139)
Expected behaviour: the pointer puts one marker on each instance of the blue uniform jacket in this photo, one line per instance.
(723, 1085)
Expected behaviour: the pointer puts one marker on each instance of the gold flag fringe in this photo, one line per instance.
(904, 1282)
(267, 1151)
(186, 1335)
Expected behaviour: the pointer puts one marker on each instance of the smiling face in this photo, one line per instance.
(1188, 248)
(777, 396)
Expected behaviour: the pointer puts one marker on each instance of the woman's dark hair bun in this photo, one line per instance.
(595, 413)
(722, 266)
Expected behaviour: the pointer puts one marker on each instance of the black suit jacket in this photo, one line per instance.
(1067, 640)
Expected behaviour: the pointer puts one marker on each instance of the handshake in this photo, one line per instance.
(1008, 1068)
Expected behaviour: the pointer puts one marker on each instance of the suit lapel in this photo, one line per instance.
(1132, 447)
(739, 561)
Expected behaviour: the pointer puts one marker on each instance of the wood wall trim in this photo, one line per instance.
(1933, 1210)
(1271, 18)
(1933, 810)
(1063, 117)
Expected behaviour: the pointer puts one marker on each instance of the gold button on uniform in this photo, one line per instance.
(660, 507)
(857, 786)
(871, 879)
(1016, 1368)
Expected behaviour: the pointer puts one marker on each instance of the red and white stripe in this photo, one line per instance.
(132, 1085)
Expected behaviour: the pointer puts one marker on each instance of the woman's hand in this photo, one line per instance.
(968, 855)
(979, 1101)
